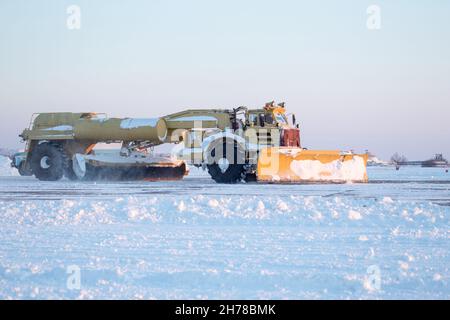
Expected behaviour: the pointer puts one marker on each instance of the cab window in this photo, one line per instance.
(253, 119)
(268, 118)
(280, 119)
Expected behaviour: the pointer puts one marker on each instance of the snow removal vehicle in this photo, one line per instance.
(18, 162)
(231, 144)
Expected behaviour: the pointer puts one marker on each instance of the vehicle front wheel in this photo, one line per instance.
(227, 167)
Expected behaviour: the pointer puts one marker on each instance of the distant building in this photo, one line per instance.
(438, 161)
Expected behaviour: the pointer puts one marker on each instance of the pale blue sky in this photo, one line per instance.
(351, 88)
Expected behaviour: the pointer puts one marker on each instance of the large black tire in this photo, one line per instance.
(234, 171)
(69, 173)
(24, 170)
(92, 173)
(251, 177)
(48, 162)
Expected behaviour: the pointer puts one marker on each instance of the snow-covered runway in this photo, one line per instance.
(198, 239)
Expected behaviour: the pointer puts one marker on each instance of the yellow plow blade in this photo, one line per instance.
(286, 164)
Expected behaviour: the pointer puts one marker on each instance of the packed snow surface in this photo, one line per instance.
(5, 167)
(132, 123)
(197, 239)
(60, 128)
(195, 118)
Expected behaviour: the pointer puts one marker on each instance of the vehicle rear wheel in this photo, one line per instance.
(227, 168)
(24, 170)
(47, 162)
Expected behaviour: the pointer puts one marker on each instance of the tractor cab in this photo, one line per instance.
(271, 116)
(277, 114)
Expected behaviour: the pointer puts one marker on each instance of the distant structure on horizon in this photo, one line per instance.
(437, 162)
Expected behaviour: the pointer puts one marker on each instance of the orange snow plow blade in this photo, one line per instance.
(295, 165)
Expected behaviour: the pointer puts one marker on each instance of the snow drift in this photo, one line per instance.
(195, 239)
(5, 167)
